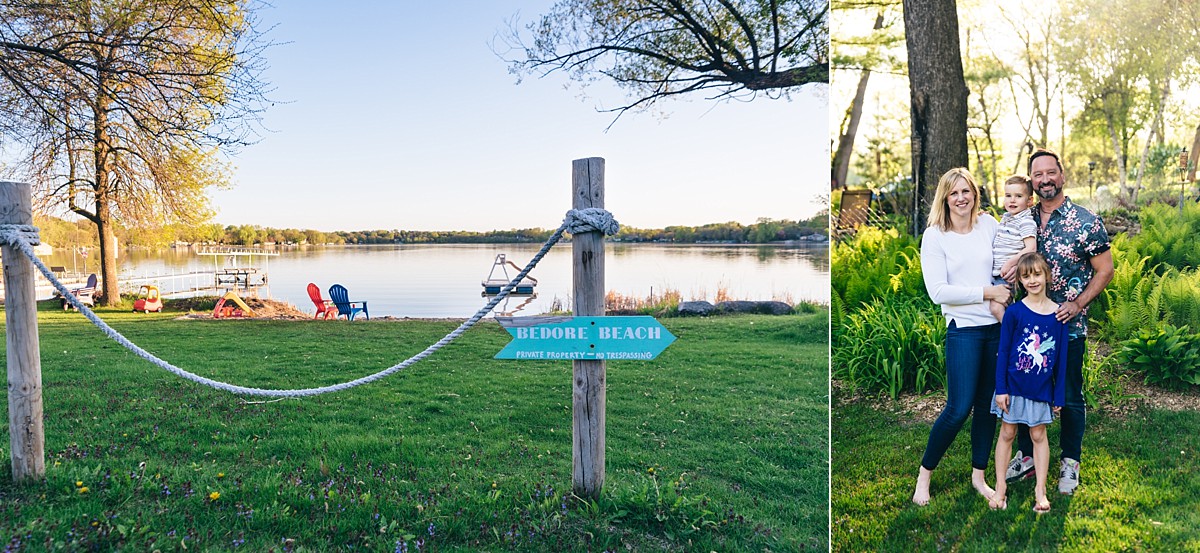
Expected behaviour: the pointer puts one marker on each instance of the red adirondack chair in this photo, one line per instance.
(324, 307)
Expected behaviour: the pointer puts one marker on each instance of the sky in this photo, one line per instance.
(400, 115)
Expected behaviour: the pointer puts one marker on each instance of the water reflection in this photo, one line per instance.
(511, 305)
(406, 280)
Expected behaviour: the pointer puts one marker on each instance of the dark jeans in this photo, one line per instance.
(970, 383)
(1072, 418)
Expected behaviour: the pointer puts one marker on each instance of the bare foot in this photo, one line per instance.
(921, 494)
(981, 485)
(999, 499)
(1041, 505)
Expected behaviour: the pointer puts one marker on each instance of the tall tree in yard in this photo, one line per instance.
(1123, 60)
(938, 93)
(655, 49)
(864, 54)
(125, 106)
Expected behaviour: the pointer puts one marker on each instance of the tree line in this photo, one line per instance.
(62, 233)
(125, 111)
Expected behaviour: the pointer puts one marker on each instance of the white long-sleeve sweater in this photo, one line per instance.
(957, 267)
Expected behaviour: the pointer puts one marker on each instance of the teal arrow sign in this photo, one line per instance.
(599, 338)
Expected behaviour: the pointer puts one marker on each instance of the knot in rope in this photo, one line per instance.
(10, 234)
(591, 219)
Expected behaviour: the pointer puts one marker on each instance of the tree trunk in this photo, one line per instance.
(841, 161)
(1191, 176)
(1119, 156)
(938, 93)
(102, 149)
(1155, 134)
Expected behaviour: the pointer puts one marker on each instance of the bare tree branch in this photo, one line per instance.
(657, 49)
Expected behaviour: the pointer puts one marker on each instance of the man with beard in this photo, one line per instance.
(1076, 246)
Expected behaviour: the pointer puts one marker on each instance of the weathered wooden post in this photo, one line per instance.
(26, 436)
(588, 389)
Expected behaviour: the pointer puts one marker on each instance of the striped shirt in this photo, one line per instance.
(1010, 237)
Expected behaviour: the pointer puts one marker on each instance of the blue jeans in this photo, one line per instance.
(970, 383)
(1073, 417)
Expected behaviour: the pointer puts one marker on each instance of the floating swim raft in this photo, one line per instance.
(494, 283)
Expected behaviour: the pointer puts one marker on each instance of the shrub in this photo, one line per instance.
(837, 317)
(892, 345)
(1167, 236)
(808, 307)
(1168, 355)
(873, 263)
(1140, 298)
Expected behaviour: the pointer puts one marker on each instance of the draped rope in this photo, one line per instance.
(22, 237)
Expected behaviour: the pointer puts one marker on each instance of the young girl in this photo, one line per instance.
(1030, 375)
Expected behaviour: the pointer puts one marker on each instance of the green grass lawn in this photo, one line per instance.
(720, 444)
(1139, 488)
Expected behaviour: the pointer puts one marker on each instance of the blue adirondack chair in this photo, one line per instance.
(345, 307)
(84, 294)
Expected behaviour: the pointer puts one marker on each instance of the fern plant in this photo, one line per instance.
(1133, 304)
(865, 266)
(1181, 298)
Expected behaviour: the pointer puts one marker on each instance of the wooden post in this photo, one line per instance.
(588, 393)
(25, 430)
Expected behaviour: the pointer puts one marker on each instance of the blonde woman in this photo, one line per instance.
(956, 259)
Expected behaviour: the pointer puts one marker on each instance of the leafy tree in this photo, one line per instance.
(864, 54)
(656, 49)
(1122, 59)
(124, 106)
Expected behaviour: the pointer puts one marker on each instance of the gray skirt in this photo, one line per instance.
(1029, 412)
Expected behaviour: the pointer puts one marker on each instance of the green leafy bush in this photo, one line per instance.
(874, 263)
(891, 345)
(1132, 299)
(1168, 355)
(1140, 298)
(1167, 236)
(837, 317)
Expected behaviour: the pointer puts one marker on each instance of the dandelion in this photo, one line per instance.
(650, 470)
(220, 475)
(79, 483)
(84, 489)
(214, 496)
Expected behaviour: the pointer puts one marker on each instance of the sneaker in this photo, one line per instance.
(1068, 476)
(1020, 467)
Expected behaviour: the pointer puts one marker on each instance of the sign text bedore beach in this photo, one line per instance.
(615, 338)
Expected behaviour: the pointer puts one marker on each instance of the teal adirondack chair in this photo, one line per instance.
(345, 307)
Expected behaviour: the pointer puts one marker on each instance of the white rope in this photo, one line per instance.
(18, 237)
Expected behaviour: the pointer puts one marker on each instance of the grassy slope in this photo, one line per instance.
(460, 451)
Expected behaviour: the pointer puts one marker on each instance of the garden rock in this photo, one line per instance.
(764, 307)
(695, 308)
(775, 308)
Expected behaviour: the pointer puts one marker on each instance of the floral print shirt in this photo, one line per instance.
(1068, 241)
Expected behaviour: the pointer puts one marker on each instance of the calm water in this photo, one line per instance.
(444, 280)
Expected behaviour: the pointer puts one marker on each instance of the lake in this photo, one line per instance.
(443, 280)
